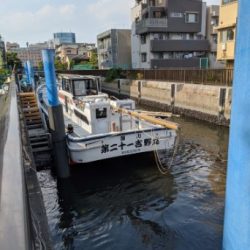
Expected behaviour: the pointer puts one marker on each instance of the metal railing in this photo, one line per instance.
(153, 23)
(14, 216)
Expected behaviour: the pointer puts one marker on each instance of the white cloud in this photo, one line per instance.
(67, 9)
(85, 18)
(27, 25)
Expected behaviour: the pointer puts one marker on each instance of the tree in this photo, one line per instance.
(93, 61)
(58, 65)
(3, 75)
(13, 62)
(40, 66)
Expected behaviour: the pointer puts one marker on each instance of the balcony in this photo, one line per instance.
(179, 45)
(151, 9)
(151, 25)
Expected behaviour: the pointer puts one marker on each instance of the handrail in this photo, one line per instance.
(14, 222)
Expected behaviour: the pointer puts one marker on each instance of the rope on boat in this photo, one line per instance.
(164, 169)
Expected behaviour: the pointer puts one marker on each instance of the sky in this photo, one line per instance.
(36, 20)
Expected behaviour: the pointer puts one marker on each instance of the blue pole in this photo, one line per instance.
(50, 76)
(237, 207)
(31, 74)
(27, 72)
(55, 115)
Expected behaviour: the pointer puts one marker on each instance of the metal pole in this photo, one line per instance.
(237, 207)
(31, 74)
(27, 72)
(55, 111)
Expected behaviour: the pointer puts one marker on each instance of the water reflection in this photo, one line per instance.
(128, 204)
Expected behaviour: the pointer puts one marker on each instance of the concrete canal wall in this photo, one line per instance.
(205, 102)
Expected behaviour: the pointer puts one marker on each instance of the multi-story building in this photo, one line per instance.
(169, 33)
(11, 46)
(212, 35)
(77, 52)
(64, 37)
(2, 53)
(114, 49)
(31, 53)
(227, 31)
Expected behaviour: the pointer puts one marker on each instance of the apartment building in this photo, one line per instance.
(168, 34)
(114, 49)
(11, 46)
(2, 53)
(227, 31)
(77, 52)
(212, 36)
(31, 53)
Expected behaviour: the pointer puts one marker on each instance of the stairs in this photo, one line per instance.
(39, 138)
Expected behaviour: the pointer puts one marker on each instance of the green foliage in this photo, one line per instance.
(3, 75)
(59, 65)
(13, 62)
(113, 74)
(93, 61)
(40, 66)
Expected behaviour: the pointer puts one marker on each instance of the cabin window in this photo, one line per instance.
(79, 88)
(66, 85)
(101, 113)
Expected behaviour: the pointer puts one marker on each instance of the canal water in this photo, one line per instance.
(127, 204)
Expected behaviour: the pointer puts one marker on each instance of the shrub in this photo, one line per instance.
(113, 74)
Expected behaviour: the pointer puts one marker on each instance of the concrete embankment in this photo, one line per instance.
(205, 102)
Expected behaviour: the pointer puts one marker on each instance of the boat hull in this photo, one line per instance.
(116, 145)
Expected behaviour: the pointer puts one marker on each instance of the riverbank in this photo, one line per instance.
(204, 102)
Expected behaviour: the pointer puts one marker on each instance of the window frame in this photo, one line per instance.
(191, 13)
(143, 57)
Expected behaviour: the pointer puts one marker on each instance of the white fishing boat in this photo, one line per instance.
(101, 128)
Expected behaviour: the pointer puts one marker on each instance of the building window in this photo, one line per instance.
(226, 35)
(161, 55)
(161, 36)
(143, 39)
(143, 57)
(157, 14)
(191, 17)
(230, 34)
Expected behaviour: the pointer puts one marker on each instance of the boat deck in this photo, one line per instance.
(78, 130)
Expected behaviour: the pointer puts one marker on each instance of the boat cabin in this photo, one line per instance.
(79, 86)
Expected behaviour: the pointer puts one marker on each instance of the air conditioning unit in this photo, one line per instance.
(224, 46)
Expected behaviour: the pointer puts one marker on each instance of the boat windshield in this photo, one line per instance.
(79, 88)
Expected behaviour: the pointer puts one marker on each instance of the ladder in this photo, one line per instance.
(39, 138)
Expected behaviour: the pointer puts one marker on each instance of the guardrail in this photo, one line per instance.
(222, 77)
(14, 216)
